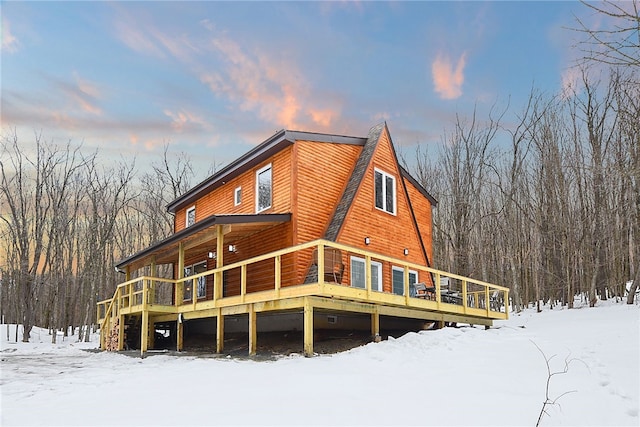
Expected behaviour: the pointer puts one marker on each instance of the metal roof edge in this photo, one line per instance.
(421, 189)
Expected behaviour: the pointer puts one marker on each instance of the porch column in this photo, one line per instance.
(308, 328)
(253, 330)
(217, 289)
(219, 331)
(152, 285)
(179, 295)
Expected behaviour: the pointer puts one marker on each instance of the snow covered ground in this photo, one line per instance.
(463, 376)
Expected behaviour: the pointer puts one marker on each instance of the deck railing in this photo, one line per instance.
(451, 293)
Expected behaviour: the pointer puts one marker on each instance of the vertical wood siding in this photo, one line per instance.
(389, 234)
(323, 170)
(221, 200)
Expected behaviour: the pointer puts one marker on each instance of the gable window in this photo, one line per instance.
(264, 187)
(397, 278)
(358, 278)
(237, 196)
(385, 191)
(191, 216)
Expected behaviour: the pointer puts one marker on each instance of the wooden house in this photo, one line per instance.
(311, 227)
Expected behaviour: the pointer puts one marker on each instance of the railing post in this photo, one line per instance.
(405, 280)
(506, 303)
(486, 299)
(465, 303)
(438, 294)
(130, 294)
(277, 275)
(367, 275)
(243, 282)
(321, 264)
(145, 293)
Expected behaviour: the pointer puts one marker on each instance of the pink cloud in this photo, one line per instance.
(323, 117)
(9, 42)
(257, 82)
(184, 120)
(447, 80)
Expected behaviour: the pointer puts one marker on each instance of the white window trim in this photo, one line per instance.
(236, 192)
(258, 210)
(396, 268)
(376, 264)
(186, 216)
(384, 191)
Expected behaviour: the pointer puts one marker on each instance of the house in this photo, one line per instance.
(250, 242)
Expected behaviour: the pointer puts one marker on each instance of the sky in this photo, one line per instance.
(214, 79)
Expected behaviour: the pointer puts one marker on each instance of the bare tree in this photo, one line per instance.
(617, 45)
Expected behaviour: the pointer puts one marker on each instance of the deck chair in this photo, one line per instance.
(423, 291)
(333, 265)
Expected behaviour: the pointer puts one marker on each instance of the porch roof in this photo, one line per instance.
(199, 236)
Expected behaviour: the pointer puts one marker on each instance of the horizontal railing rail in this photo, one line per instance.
(448, 292)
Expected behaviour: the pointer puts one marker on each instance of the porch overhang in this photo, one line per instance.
(202, 236)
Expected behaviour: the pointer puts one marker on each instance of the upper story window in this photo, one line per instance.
(264, 188)
(191, 216)
(237, 196)
(385, 191)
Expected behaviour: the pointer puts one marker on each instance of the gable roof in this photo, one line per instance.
(355, 180)
(254, 157)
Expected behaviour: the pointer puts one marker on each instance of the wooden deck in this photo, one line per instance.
(158, 300)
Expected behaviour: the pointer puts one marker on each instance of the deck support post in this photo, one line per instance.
(144, 333)
(179, 333)
(375, 323)
(253, 330)
(308, 328)
(219, 332)
(121, 319)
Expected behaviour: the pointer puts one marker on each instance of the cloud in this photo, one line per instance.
(257, 82)
(185, 121)
(145, 38)
(9, 42)
(448, 81)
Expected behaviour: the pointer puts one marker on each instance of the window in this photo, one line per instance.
(191, 216)
(358, 278)
(199, 284)
(188, 284)
(385, 191)
(237, 196)
(397, 278)
(263, 188)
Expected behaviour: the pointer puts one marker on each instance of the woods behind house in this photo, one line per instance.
(548, 206)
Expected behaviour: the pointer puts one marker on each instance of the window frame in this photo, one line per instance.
(186, 216)
(190, 270)
(237, 196)
(374, 264)
(401, 269)
(384, 176)
(260, 171)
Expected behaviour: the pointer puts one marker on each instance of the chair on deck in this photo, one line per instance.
(333, 265)
(421, 290)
